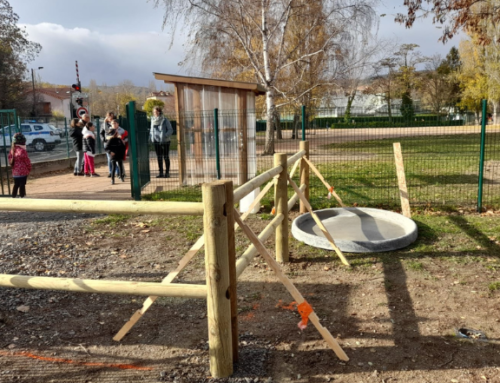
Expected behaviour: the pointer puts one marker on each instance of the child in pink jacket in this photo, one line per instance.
(20, 164)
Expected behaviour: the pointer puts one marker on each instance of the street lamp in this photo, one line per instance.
(34, 95)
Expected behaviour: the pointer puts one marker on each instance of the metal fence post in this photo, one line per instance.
(484, 118)
(303, 122)
(134, 161)
(216, 134)
(98, 130)
(66, 134)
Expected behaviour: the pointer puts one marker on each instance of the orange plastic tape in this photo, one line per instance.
(273, 212)
(331, 189)
(305, 310)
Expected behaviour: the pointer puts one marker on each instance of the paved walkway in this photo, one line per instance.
(67, 186)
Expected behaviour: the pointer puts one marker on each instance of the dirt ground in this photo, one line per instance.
(395, 321)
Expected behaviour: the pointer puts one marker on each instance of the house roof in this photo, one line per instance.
(161, 94)
(60, 93)
(172, 79)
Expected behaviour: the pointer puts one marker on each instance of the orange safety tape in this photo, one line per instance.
(331, 189)
(77, 362)
(305, 310)
(273, 212)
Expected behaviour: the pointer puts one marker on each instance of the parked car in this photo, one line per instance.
(58, 131)
(39, 136)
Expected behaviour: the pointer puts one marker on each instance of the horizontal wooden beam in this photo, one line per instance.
(173, 79)
(292, 201)
(103, 286)
(297, 156)
(256, 182)
(102, 207)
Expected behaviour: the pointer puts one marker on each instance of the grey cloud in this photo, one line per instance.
(106, 58)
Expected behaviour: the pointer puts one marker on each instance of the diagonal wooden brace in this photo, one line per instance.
(297, 296)
(322, 179)
(318, 222)
(182, 264)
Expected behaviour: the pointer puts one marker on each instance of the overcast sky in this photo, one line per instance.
(116, 40)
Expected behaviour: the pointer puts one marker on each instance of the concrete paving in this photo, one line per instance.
(64, 185)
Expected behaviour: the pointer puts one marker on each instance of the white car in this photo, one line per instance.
(38, 136)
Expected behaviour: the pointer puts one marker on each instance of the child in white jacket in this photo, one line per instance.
(89, 150)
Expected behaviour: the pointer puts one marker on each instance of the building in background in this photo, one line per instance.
(166, 97)
(52, 102)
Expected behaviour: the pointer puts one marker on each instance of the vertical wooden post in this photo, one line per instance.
(400, 170)
(304, 174)
(242, 137)
(181, 146)
(197, 129)
(217, 270)
(281, 203)
(232, 267)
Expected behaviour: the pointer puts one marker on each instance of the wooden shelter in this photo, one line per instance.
(195, 101)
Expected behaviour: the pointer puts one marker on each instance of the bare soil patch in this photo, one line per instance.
(395, 314)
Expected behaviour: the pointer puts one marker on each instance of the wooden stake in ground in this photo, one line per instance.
(322, 179)
(182, 264)
(297, 296)
(400, 169)
(218, 279)
(281, 203)
(307, 205)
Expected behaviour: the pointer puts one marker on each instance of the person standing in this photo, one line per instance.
(20, 164)
(77, 137)
(160, 133)
(106, 126)
(116, 149)
(89, 149)
(85, 120)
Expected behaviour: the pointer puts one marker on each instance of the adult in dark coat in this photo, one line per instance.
(77, 138)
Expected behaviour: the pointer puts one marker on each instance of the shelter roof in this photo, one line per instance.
(173, 79)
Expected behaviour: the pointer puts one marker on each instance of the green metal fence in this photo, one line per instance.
(441, 155)
(8, 127)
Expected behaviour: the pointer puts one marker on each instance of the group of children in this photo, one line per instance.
(84, 143)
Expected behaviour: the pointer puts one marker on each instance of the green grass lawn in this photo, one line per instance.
(440, 171)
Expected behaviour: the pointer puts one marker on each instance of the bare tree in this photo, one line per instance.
(260, 32)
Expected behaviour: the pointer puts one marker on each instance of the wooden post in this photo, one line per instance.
(197, 129)
(304, 174)
(218, 280)
(281, 203)
(242, 139)
(232, 267)
(181, 148)
(403, 191)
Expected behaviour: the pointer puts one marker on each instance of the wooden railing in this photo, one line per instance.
(220, 220)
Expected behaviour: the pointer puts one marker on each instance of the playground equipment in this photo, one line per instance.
(359, 230)
(220, 221)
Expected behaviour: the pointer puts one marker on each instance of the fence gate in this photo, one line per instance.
(9, 125)
(138, 125)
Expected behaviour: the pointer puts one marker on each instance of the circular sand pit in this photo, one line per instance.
(357, 230)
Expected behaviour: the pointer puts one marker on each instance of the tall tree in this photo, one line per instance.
(408, 58)
(384, 84)
(472, 76)
(16, 51)
(261, 32)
